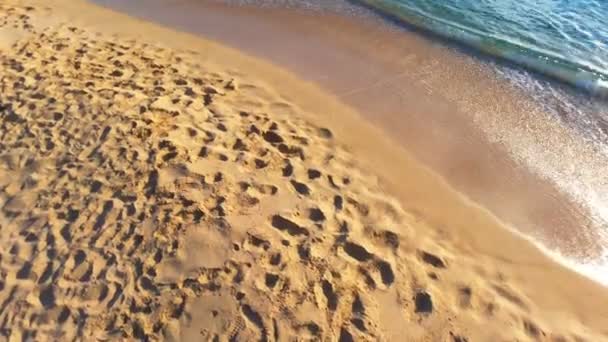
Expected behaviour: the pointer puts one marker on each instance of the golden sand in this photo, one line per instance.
(152, 191)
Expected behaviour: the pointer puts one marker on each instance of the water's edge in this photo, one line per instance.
(579, 76)
(442, 139)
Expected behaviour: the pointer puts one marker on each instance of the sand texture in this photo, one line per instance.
(146, 196)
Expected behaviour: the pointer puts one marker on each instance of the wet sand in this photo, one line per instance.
(159, 186)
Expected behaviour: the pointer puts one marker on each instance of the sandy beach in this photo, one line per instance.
(158, 186)
(445, 106)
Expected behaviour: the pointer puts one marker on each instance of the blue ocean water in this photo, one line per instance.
(563, 39)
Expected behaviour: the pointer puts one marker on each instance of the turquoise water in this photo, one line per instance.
(563, 39)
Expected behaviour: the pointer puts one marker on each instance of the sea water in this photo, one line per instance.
(565, 40)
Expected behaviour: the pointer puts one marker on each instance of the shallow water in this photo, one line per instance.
(565, 40)
(576, 30)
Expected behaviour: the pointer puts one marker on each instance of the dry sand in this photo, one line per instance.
(152, 191)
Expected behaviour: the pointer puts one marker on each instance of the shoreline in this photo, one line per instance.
(272, 73)
(578, 76)
(475, 246)
(467, 122)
